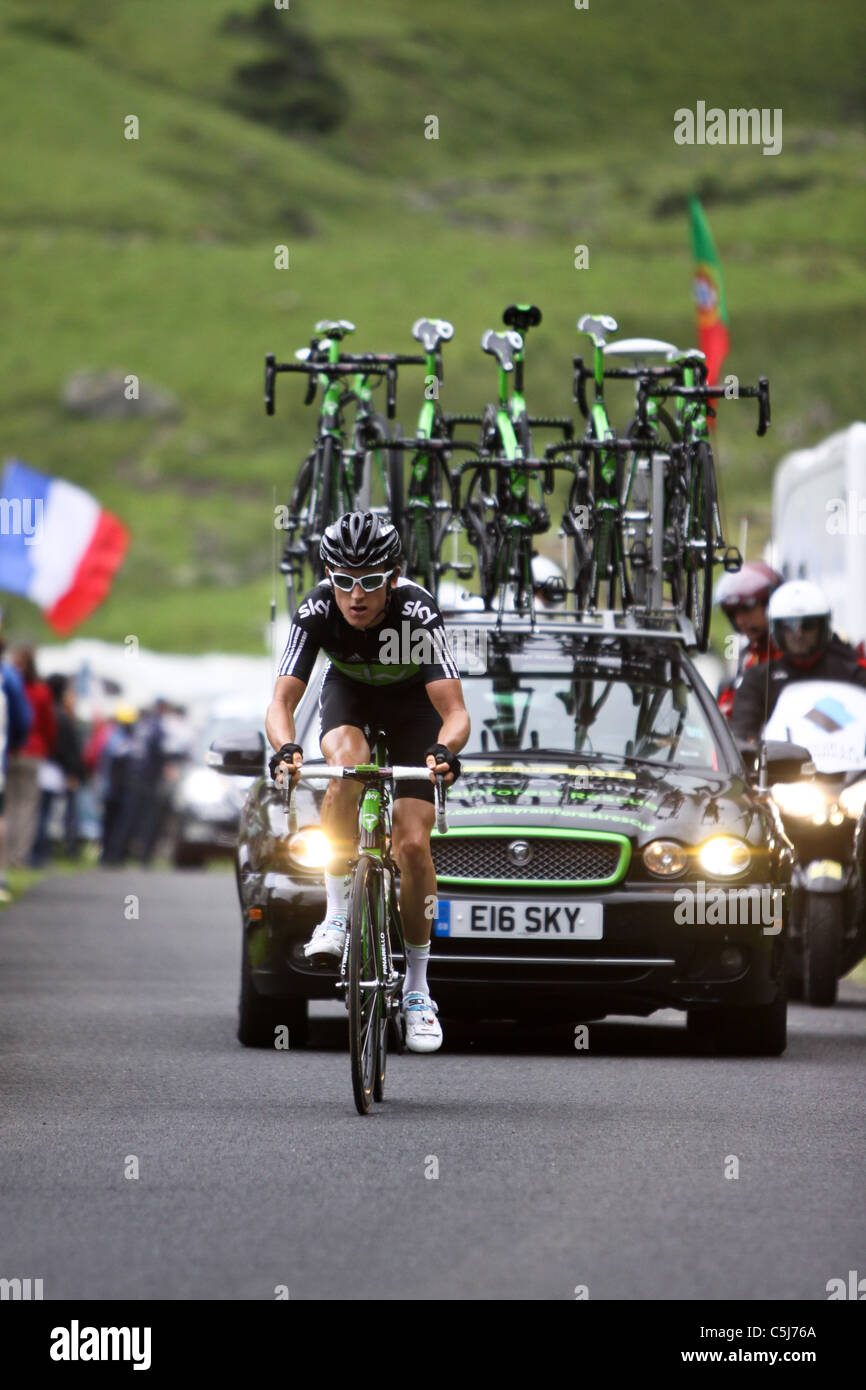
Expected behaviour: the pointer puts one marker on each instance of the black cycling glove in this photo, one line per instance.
(284, 755)
(444, 755)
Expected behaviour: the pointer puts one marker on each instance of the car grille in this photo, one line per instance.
(483, 859)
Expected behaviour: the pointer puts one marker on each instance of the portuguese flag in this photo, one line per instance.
(709, 292)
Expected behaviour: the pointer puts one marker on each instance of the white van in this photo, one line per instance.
(819, 524)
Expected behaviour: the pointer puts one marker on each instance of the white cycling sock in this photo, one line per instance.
(416, 969)
(338, 895)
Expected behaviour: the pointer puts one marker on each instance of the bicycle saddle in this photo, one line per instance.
(597, 326)
(502, 346)
(522, 316)
(334, 328)
(639, 348)
(431, 332)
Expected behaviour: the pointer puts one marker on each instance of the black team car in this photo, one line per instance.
(607, 852)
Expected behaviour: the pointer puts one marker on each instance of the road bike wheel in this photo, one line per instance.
(397, 489)
(699, 543)
(366, 1019)
(370, 482)
(427, 524)
(578, 524)
(296, 546)
(324, 505)
(480, 532)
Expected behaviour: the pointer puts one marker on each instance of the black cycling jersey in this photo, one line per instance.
(408, 646)
(758, 689)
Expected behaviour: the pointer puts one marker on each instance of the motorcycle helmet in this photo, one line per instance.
(799, 613)
(747, 587)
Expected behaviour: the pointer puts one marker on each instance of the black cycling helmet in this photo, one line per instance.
(360, 539)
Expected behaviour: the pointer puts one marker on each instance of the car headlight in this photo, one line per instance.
(665, 858)
(853, 799)
(309, 848)
(204, 788)
(724, 856)
(802, 800)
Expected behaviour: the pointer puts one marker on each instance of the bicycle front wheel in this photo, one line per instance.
(699, 544)
(366, 989)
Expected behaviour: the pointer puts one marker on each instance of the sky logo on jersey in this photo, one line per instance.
(830, 715)
(416, 609)
(312, 606)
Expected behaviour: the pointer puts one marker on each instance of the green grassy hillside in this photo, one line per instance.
(155, 256)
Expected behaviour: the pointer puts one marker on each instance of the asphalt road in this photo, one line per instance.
(556, 1168)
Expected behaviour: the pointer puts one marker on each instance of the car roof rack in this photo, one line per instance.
(668, 626)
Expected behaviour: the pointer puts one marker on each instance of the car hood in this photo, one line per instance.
(641, 802)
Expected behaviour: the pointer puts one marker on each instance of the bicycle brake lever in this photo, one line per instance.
(288, 802)
(270, 378)
(439, 793)
(763, 405)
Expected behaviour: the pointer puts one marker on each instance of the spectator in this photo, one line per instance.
(24, 767)
(62, 773)
(5, 893)
(19, 718)
(147, 804)
(116, 775)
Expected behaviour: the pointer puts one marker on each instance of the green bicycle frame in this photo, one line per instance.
(331, 393)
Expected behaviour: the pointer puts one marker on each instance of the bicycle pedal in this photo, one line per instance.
(732, 559)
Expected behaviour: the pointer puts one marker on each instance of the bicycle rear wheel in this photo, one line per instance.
(699, 543)
(366, 1014)
(481, 533)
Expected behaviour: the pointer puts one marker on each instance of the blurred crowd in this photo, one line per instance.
(65, 781)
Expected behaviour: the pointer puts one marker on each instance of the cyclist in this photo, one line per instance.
(743, 598)
(391, 669)
(809, 650)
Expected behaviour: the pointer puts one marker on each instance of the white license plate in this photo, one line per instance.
(534, 921)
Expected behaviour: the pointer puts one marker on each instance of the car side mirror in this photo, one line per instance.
(240, 755)
(786, 762)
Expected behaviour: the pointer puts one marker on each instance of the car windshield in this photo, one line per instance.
(621, 716)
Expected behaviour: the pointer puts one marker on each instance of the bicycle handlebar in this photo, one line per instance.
(582, 374)
(711, 393)
(398, 773)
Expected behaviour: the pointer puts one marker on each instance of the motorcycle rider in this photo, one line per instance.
(800, 627)
(743, 597)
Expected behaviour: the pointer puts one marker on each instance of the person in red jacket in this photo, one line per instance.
(23, 784)
(743, 597)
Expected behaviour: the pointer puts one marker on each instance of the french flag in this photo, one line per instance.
(58, 547)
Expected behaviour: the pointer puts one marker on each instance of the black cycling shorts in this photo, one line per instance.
(404, 713)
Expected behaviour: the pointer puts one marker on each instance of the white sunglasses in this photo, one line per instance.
(368, 582)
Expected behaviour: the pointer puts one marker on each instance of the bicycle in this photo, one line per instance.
(500, 523)
(425, 518)
(608, 535)
(374, 937)
(333, 480)
(692, 512)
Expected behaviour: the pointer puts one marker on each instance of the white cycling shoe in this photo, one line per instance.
(325, 946)
(423, 1030)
